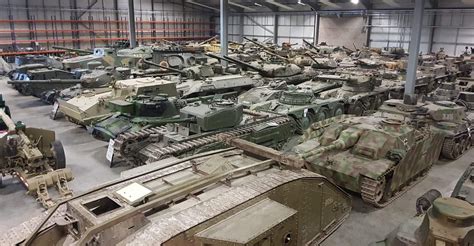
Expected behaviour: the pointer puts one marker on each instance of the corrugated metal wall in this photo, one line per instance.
(450, 29)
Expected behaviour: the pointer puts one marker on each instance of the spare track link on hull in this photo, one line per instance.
(155, 152)
(368, 189)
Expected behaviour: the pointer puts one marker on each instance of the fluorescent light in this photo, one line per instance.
(355, 1)
(257, 4)
(299, 2)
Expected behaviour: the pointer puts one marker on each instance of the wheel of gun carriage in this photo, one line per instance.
(58, 155)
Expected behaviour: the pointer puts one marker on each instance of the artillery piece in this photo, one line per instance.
(35, 157)
(439, 220)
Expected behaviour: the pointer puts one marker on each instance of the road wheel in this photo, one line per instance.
(322, 114)
(339, 110)
(450, 149)
(357, 108)
(305, 122)
(58, 155)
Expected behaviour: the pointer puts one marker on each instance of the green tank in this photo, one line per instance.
(377, 157)
(136, 114)
(35, 157)
(214, 198)
(197, 131)
(262, 93)
(439, 220)
(444, 117)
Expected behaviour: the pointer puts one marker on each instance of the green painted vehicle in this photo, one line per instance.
(376, 157)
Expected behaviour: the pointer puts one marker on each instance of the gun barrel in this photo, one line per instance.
(73, 50)
(310, 45)
(7, 121)
(63, 81)
(160, 66)
(207, 40)
(241, 63)
(259, 44)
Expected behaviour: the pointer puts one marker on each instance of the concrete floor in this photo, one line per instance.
(86, 157)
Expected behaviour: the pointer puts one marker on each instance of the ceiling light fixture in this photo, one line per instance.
(257, 4)
(300, 3)
(355, 1)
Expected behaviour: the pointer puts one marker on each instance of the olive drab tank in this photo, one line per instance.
(90, 107)
(213, 198)
(35, 157)
(196, 131)
(376, 157)
(443, 117)
(137, 113)
(439, 220)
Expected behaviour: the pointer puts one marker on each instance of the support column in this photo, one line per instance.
(132, 35)
(275, 29)
(224, 8)
(316, 28)
(414, 49)
(241, 28)
(368, 30)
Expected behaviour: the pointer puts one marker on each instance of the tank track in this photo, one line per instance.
(460, 142)
(155, 152)
(368, 188)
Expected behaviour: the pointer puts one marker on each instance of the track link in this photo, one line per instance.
(368, 188)
(123, 145)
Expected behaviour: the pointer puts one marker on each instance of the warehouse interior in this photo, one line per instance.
(63, 30)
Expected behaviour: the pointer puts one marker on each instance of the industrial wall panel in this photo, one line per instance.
(344, 31)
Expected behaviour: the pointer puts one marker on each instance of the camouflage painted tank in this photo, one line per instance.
(90, 107)
(444, 117)
(35, 157)
(376, 157)
(439, 220)
(212, 198)
(360, 93)
(197, 131)
(465, 84)
(446, 91)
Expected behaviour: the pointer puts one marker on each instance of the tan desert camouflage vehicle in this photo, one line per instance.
(214, 198)
(35, 157)
(88, 108)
